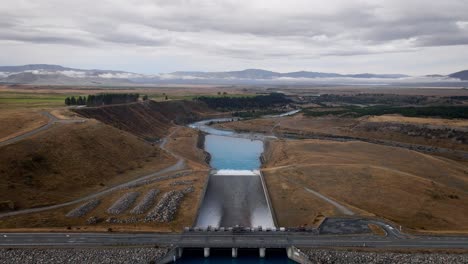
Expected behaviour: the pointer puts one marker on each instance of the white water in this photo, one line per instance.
(235, 194)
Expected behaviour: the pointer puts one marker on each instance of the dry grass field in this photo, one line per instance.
(420, 131)
(418, 120)
(16, 122)
(55, 220)
(418, 191)
(184, 142)
(71, 160)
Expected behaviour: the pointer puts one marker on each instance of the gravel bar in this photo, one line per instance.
(101, 256)
(355, 257)
(83, 209)
(146, 202)
(123, 203)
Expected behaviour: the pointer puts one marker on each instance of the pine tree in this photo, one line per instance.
(73, 100)
(67, 101)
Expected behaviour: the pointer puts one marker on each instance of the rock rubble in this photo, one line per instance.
(354, 257)
(146, 203)
(123, 203)
(166, 208)
(101, 256)
(83, 209)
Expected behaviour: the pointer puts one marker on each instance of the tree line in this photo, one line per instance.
(104, 99)
(75, 101)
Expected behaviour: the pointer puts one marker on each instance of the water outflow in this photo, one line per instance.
(235, 194)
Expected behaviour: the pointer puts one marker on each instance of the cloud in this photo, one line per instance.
(251, 30)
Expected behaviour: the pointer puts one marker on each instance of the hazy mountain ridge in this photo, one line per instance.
(462, 75)
(59, 75)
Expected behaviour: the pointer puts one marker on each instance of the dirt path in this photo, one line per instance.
(52, 120)
(180, 165)
(342, 209)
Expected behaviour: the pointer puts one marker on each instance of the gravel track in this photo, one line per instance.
(182, 182)
(189, 189)
(354, 257)
(149, 181)
(166, 208)
(83, 209)
(123, 203)
(101, 256)
(146, 202)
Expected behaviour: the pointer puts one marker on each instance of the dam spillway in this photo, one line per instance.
(235, 193)
(232, 200)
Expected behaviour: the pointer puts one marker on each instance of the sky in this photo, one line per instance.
(414, 37)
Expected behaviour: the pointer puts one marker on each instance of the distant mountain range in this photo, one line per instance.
(462, 75)
(41, 74)
(262, 74)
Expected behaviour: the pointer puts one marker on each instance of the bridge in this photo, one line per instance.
(327, 235)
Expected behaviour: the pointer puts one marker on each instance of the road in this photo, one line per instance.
(52, 120)
(178, 166)
(227, 240)
(341, 208)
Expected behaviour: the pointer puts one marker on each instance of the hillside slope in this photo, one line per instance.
(150, 120)
(412, 189)
(69, 161)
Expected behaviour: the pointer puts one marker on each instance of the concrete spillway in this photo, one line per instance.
(235, 194)
(235, 200)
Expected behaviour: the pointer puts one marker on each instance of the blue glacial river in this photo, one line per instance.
(235, 194)
(231, 153)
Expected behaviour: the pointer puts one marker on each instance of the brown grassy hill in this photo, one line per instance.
(19, 121)
(150, 120)
(70, 160)
(416, 190)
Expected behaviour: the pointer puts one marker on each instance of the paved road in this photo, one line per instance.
(52, 120)
(226, 240)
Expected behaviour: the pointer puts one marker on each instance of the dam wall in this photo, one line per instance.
(235, 200)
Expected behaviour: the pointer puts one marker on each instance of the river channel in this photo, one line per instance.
(235, 194)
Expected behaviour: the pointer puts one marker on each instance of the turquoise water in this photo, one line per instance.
(231, 153)
(233, 197)
(245, 256)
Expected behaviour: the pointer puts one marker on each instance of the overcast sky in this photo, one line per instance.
(150, 36)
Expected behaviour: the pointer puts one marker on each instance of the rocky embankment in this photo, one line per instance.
(166, 208)
(351, 257)
(101, 256)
